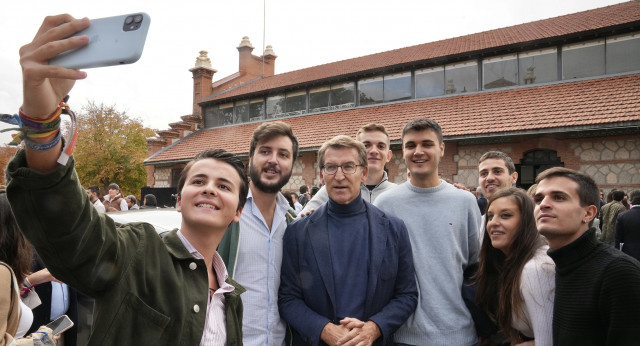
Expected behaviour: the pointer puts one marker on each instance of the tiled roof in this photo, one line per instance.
(609, 16)
(593, 102)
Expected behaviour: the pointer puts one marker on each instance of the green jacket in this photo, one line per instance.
(147, 289)
(228, 247)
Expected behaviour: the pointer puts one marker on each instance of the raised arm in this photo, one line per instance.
(44, 86)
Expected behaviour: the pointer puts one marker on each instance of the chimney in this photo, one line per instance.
(202, 80)
(245, 58)
(269, 61)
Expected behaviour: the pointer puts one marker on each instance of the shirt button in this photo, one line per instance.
(196, 308)
(193, 266)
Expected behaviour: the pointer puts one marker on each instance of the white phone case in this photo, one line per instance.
(112, 41)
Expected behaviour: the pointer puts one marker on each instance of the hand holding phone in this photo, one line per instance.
(60, 324)
(112, 41)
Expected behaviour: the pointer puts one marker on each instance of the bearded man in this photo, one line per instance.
(252, 248)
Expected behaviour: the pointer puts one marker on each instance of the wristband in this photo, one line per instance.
(43, 146)
(49, 128)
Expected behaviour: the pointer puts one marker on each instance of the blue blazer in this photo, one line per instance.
(307, 289)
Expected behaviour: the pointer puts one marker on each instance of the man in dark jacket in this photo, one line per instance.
(347, 274)
(148, 290)
(628, 228)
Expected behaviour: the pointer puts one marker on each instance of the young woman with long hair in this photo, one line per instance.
(17, 253)
(516, 278)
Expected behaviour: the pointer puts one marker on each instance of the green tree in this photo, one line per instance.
(6, 154)
(111, 148)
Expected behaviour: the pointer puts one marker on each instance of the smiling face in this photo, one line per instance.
(494, 175)
(271, 165)
(378, 154)
(559, 216)
(209, 199)
(343, 188)
(422, 152)
(503, 219)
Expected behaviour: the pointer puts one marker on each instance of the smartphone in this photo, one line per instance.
(60, 324)
(112, 41)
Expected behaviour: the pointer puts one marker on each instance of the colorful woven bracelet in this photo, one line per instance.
(54, 124)
(41, 123)
(31, 128)
(43, 146)
(43, 135)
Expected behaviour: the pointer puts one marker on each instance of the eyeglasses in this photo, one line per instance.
(347, 168)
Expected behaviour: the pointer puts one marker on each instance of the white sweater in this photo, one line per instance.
(537, 286)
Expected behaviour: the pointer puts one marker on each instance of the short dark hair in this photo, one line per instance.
(587, 187)
(150, 200)
(304, 189)
(113, 186)
(314, 190)
(634, 197)
(94, 189)
(271, 130)
(422, 124)
(617, 195)
(223, 156)
(373, 127)
(495, 154)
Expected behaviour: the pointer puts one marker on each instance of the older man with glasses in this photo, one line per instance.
(347, 274)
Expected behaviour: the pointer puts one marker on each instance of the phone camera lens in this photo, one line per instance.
(129, 20)
(138, 18)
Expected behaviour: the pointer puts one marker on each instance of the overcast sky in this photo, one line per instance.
(158, 88)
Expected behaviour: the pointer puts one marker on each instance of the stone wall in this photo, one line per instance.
(162, 177)
(611, 162)
(296, 179)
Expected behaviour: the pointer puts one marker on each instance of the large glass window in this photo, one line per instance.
(256, 109)
(623, 53)
(319, 99)
(500, 71)
(212, 116)
(397, 87)
(226, 111)
(275, 106)
(585, 59)
(370, 90)
(460, 78)
(242, 112)
(343, 94)
(297, 102)
(539, 66)
(430, 82)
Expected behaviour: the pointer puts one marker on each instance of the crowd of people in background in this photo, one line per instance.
(113, 200)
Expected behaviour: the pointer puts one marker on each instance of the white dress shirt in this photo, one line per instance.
(215, 326)
(258, 270)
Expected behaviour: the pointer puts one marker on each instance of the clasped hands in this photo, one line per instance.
(350, 332)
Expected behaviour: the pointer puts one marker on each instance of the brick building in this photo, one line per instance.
(563, 91)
